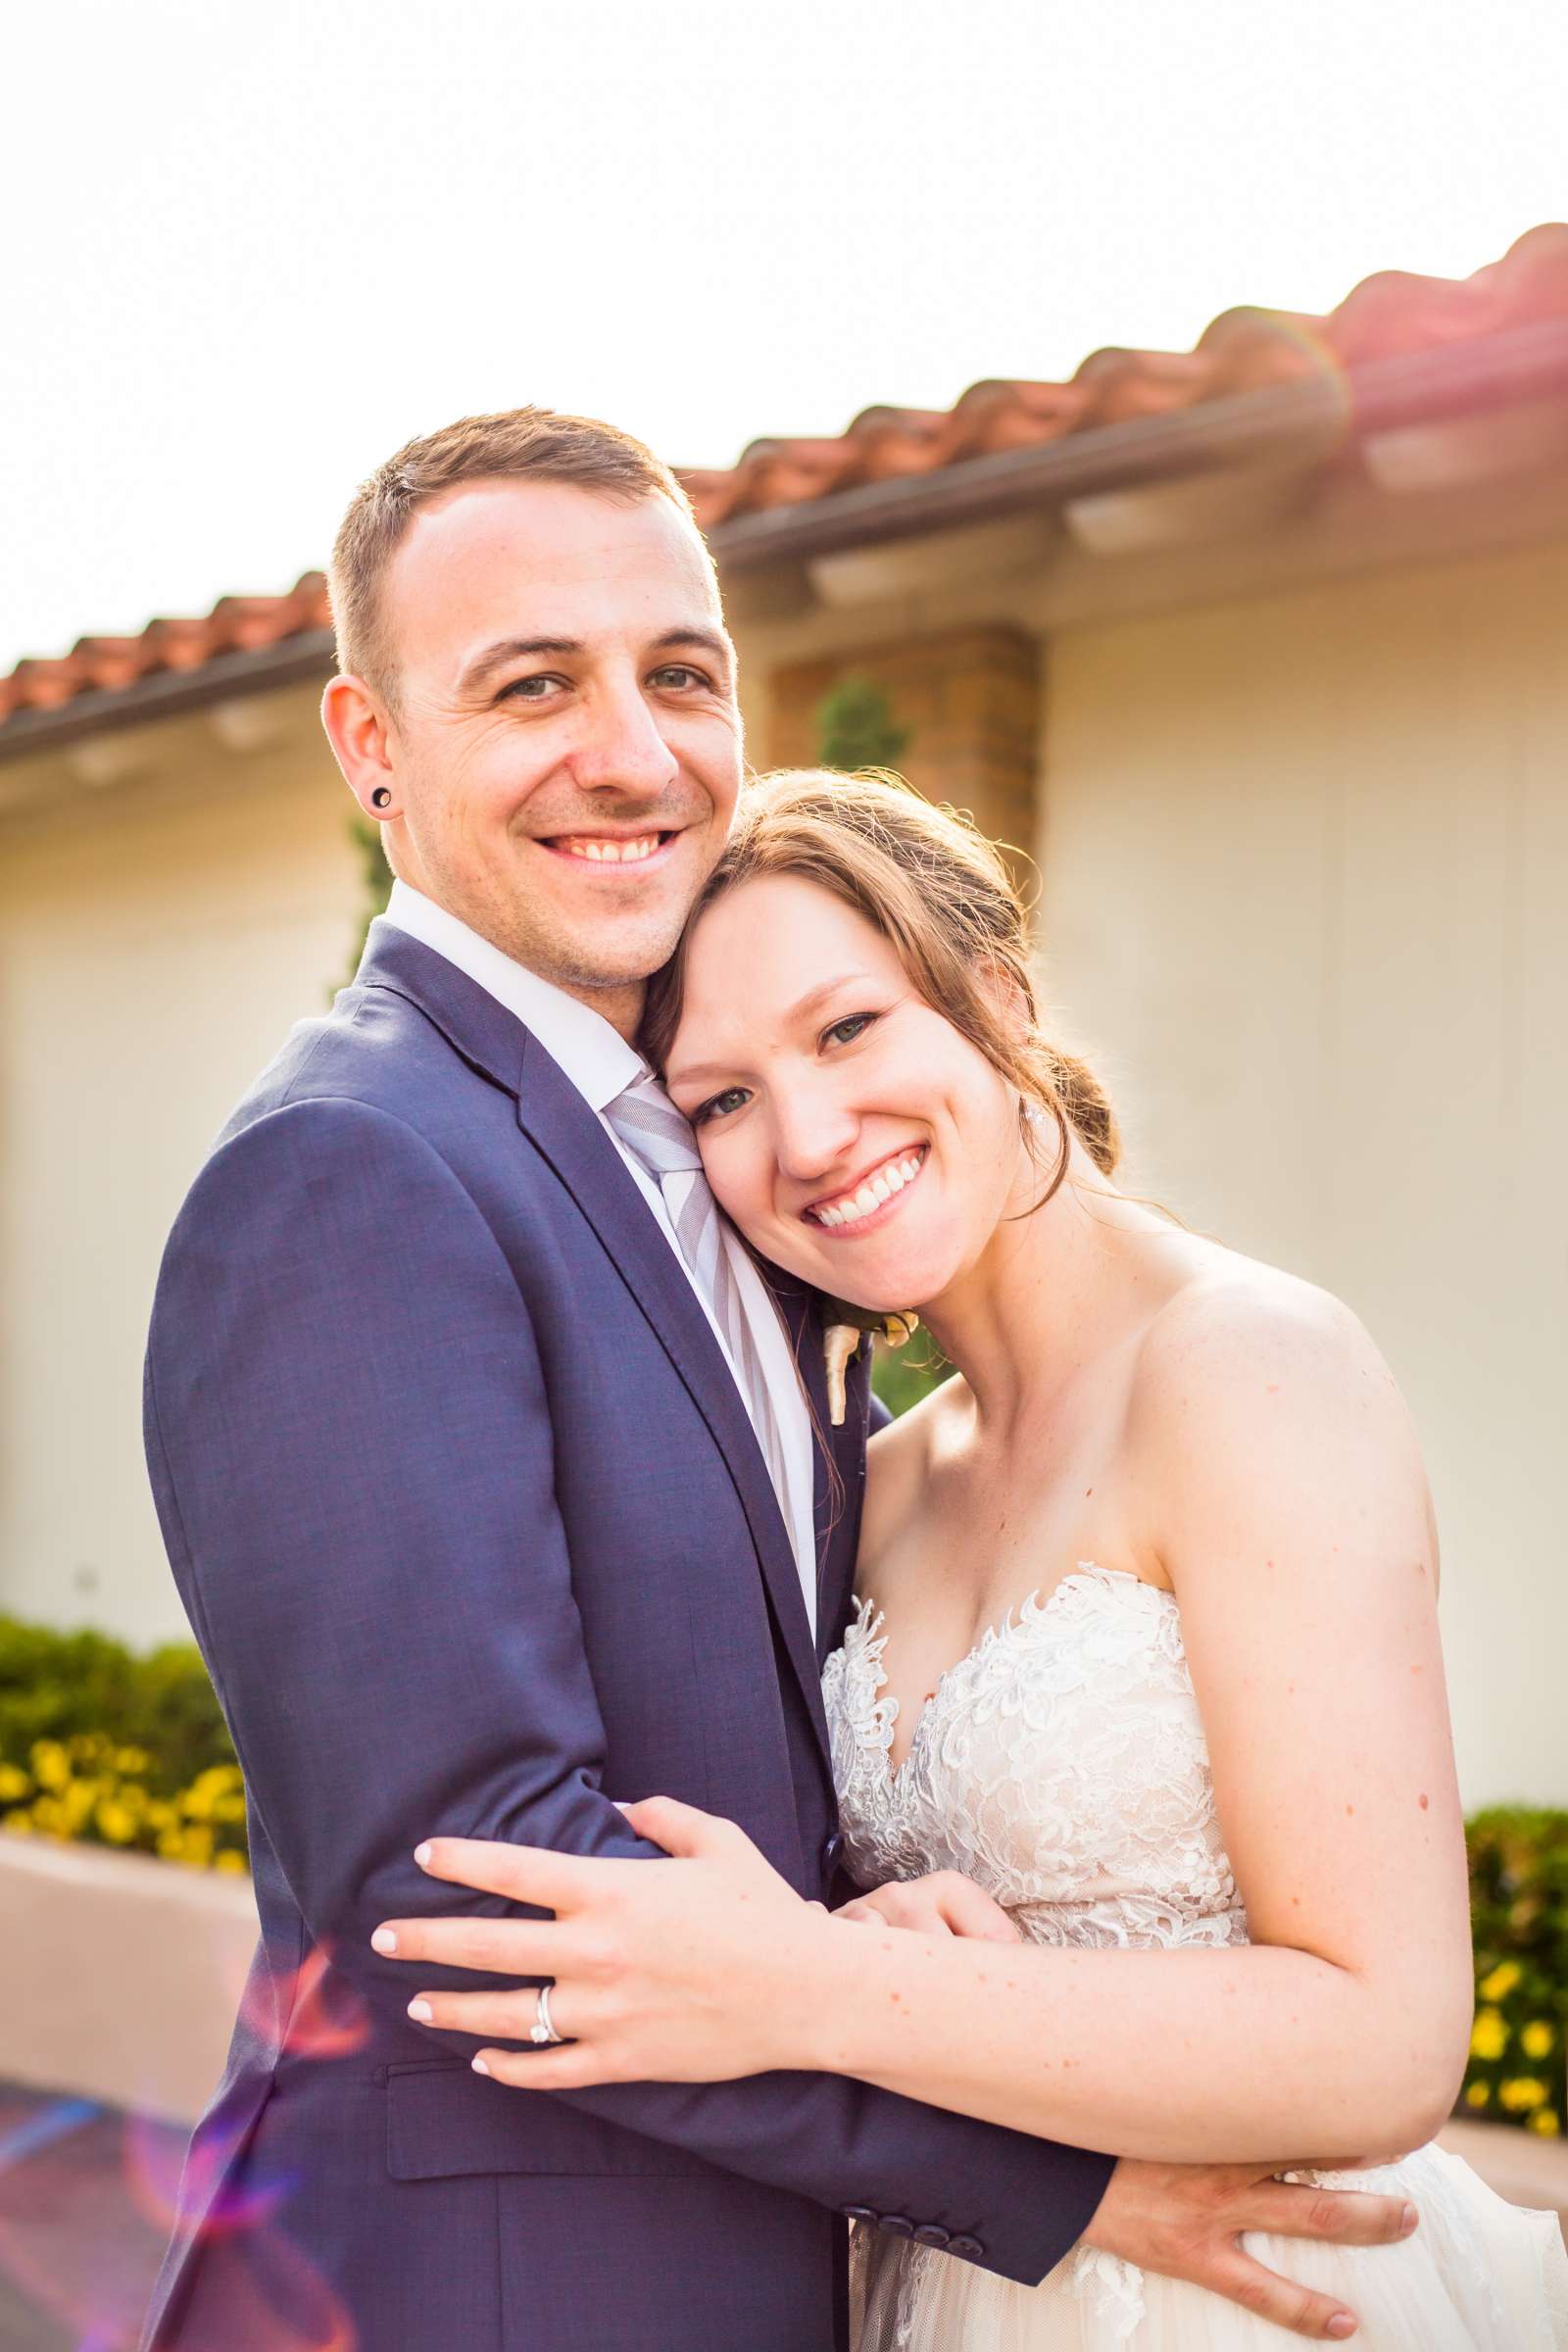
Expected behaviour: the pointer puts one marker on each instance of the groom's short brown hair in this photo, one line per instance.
(516, 445)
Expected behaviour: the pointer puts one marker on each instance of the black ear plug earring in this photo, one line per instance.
(381, 797)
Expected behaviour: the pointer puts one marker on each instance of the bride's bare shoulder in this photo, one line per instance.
(1234, 1315)
(1244, 1362)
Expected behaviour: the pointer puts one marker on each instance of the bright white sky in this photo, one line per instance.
(250, 250)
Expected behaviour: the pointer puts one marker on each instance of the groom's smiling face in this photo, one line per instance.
(565, 736)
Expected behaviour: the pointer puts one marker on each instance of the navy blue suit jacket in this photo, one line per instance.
(475, 1537)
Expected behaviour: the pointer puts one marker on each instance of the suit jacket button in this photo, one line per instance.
(832, 1854)
(859, 2213)
(899, 2223)
(965, 2246)
(930, 2233)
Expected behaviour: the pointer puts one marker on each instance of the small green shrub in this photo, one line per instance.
(856, 727)
(101, 1745)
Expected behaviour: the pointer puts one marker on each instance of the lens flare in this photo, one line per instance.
(266, 2297)
(308, 2012)
(213, 2205)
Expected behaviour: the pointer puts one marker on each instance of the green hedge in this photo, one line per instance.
(98, 1745)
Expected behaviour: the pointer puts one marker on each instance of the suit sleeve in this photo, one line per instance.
(352, 1444)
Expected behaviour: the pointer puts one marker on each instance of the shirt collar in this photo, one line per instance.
(590, 1050)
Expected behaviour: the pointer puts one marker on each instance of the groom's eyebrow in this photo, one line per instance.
(496, 657)
(707, 641)
(507, 650)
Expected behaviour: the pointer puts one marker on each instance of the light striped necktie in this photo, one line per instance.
(662, 1140)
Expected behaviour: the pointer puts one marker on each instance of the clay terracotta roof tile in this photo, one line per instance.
(106, 665)
(1243, 350)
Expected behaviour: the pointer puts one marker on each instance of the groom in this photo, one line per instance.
(497, 1488)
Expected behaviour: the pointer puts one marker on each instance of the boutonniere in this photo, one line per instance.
(844, 1328)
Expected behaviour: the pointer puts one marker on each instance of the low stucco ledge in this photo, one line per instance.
(119, 1975)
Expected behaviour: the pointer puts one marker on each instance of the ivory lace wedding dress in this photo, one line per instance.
(1061, 1765)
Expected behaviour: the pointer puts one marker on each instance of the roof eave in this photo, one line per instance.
(1309, 418)
(170, 693)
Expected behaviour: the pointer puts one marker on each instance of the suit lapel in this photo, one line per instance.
(569, 1134)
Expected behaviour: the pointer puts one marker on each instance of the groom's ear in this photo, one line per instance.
(360, 731)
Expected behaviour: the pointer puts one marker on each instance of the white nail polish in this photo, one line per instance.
(384, 1940)
(421, 1853)
(480, 2067)
(420, 2012)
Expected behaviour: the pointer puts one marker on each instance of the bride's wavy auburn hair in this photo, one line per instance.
(929, 881)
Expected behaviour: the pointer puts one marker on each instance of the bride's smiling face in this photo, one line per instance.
(851, 1133)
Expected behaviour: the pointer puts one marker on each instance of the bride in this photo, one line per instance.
(1139, 1730)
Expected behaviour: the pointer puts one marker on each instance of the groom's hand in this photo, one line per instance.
(1185, 2221)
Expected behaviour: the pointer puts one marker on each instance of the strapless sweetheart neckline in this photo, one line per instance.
(1028, 1613)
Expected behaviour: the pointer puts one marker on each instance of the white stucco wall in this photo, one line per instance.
(158, 936)
(1304, 864)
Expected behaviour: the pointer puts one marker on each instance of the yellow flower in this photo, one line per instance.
(1537, 2039)
(1523, 2093)
(1479, 2095)
(78, 1798)
(51, 1766)
(198, 1847)
(20, 1823)
(15, 1784)
(115, 1820)
(170, 1845)
(1544, 2121)
(131, 1759)
(230, 1862)
(1489, 2037)
(1501, 1982)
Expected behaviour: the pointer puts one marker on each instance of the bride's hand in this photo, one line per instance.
(942, 1904)
(690, 1971)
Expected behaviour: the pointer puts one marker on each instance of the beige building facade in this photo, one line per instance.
(171, 900)
(1286, 742)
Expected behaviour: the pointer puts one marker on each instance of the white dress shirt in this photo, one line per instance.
(600, 1064)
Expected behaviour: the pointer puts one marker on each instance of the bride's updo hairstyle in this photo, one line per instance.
(929, 881)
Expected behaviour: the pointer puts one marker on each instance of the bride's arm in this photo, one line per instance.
(1295, 1525)
(1297, 1532)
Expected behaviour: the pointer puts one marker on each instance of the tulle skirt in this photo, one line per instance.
(1479, 2275)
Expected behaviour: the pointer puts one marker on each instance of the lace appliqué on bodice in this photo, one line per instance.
(1062, 1766)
